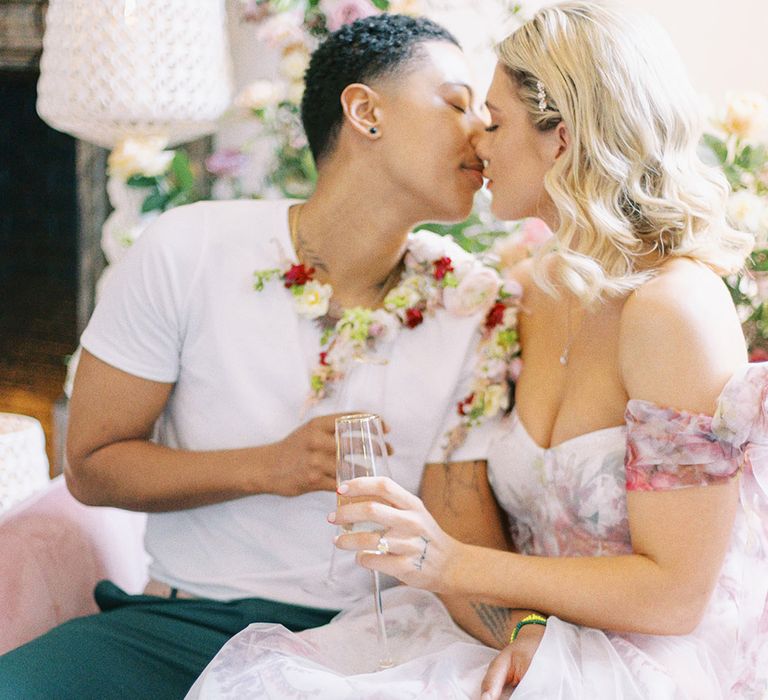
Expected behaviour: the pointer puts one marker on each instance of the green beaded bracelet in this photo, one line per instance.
(532, 619)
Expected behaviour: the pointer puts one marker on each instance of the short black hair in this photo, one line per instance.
(358, 52)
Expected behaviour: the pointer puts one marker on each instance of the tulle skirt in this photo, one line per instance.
(435, 659)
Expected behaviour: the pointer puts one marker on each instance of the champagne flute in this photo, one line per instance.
(373, 367)
(362, 451)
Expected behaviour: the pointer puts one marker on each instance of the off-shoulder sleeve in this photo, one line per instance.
(670, 449)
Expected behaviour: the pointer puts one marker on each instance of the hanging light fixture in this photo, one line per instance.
(134, 68)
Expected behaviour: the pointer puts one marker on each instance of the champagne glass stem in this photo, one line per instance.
(385, 656)
(331, 575)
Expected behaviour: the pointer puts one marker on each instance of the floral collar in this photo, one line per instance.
(431, 280)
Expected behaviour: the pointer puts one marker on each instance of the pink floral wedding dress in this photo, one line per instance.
(569, 500)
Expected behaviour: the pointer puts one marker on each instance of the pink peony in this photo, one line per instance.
(228, 162)
(341, 12)
(475, 292)
(535, 233)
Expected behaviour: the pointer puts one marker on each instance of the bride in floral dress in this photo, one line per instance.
(632, 472)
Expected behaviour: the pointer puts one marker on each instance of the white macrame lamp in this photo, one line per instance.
(132, 69)
(117, 68)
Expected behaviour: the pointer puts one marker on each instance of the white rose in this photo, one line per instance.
(139, 156)
(510, 317)
(427, 246)
(404, 296)
(313, 300)
(294, 63)
(283, 28)
(383, 324)
(260, 94)
(340, 355)
(495, 399)
(494, 369)
(745, 115)
(747, 211)
(475, 292)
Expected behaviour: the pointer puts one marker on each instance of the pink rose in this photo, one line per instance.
(341, 12)
(228, 162)
(535, 233)
(515, 368)
(476, 291)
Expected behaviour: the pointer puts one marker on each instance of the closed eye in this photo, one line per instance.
(492, 128)
(458, 108)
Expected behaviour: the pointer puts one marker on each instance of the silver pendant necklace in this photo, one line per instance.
(566, 353)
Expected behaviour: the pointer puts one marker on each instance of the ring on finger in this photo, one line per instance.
(383, 546)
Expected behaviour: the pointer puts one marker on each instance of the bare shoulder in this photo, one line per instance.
(680, 338)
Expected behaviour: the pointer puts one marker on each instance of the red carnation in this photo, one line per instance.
(758, 355)
(323, 361)
(413, 318)
(495, 316)
(462, 406)
(298, 275)
(442, 268)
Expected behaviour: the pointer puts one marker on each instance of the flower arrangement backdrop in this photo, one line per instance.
(262, 151)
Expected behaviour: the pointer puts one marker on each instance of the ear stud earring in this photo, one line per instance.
(373, 130)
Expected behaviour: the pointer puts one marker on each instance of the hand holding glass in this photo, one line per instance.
(362, 451)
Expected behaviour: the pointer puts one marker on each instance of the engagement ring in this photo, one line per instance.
(383, 545)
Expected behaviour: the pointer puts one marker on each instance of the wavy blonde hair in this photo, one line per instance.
(631, 190)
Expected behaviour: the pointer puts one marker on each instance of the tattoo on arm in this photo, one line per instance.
(458, 480)
(496, 620)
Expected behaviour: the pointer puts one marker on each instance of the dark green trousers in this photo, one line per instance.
(137, 647)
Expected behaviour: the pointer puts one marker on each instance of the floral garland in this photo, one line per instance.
(498, 363)
(431, 280)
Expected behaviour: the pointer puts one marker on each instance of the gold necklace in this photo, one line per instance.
(293, 228)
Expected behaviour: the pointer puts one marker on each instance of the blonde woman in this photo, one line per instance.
(629, 469)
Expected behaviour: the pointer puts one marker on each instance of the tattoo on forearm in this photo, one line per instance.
(495, 619)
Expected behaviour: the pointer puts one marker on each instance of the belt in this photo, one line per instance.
(163, 590)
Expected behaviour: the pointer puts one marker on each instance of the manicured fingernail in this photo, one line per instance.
(332, 517)
(343, 488)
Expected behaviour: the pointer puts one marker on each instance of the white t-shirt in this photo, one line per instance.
(181, 308)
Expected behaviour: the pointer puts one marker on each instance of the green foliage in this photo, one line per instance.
(174, 188)
(472, 234)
